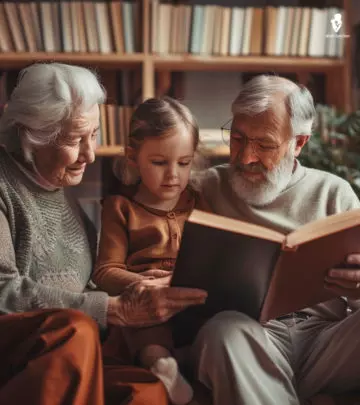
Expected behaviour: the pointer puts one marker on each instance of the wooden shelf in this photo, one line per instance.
(241, 63)
(174, 62)
(110, 151)
(19, 60)
(218, 151)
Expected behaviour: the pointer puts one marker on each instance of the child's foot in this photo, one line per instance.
(178, 389)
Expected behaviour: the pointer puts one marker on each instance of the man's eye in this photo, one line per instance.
(238, 138)
(267, 147)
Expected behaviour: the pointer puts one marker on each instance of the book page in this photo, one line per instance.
(322, 227)
(236, 226)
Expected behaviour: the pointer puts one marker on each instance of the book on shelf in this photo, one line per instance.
(222, 30)
(256, 270)
(70, 26)
(5, 37)
(114, 125)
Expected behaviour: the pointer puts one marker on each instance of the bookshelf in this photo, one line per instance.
(155, 67)
(110, 150)
(114, 61)
(247, 63)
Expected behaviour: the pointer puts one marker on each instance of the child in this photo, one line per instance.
(142, 227)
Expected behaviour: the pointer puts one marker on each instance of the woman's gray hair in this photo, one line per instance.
(47, 95)
(259, 95)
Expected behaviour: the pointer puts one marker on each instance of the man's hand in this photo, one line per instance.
(345, 281)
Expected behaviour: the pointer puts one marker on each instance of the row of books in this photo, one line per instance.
(217, 30)
(114, 125)
(114, 128)
(75, 26)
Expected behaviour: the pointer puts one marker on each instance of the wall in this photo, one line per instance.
(209, 96)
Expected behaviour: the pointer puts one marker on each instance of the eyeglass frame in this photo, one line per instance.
(251, 141)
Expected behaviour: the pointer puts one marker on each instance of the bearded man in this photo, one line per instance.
(313, 351)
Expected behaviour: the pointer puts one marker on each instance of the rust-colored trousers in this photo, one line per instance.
(54, 357)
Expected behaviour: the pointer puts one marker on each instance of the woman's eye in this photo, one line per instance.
(74, 142)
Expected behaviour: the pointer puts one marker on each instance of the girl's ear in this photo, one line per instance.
(130, 173)
(130, 154)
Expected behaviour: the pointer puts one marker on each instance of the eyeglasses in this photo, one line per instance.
(259, 148)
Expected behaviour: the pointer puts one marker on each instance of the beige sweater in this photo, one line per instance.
(312, 194)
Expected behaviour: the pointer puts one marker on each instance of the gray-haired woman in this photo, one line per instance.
(50, 352)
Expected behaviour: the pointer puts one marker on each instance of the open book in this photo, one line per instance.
(258, 271)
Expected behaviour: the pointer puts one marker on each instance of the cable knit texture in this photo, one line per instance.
(45, 248)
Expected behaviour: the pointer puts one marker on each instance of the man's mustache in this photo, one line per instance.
(251, 167)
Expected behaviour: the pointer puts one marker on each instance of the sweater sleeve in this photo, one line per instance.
(111, 273)
(20, 293)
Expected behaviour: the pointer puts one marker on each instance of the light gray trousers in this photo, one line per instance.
(244, 363)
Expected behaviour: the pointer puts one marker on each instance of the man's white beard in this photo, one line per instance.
(258, 193)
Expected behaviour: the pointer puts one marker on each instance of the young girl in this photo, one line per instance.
(142, 226)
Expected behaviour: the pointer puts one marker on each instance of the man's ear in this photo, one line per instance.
(130, 154)
(301, 141)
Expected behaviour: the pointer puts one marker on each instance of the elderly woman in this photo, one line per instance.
(49, 343)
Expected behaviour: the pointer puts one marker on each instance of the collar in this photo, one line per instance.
(32, 173)
(185, 202)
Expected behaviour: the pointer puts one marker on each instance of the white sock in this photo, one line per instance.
(178, 389)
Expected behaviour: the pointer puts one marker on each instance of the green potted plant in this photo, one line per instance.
(335, 145)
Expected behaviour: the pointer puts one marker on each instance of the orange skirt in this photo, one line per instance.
(53, 357)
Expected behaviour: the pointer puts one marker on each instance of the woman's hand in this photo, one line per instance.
(149, 304)
(345, 281)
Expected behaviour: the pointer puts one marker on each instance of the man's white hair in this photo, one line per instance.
(260, 94)
(45, 98)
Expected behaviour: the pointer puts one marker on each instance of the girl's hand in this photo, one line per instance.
(156, 273)
(156, 277)
(143, 305)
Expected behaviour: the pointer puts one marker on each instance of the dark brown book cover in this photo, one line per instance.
(258, 271)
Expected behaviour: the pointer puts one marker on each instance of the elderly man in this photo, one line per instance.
(317, 349)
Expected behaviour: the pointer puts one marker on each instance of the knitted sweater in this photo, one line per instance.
(46, 250)
(311, 195)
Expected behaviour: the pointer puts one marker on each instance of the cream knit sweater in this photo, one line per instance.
(312, 194)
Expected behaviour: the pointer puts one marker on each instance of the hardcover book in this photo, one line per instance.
(258, 271)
